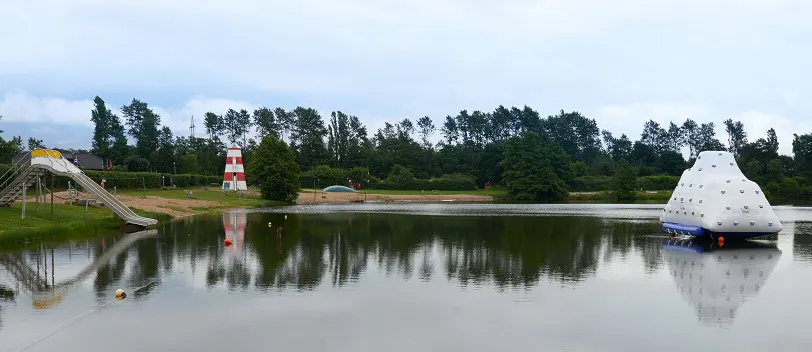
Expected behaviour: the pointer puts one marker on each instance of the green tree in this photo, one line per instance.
(144, 127)
(425, 127)
(736, 136)
(101, 117)
(802, 152)
(267, 124)
(307, 137)
(535, 168)
(401, 177)
(275, 171)
(624, 182)
(654, 137)
(214, 124)
(706, 138)
(578, 135)
(34, 143)
(165, 155)
(690, 131)
(675, 136)
(8, 149)
(286, 120)
(188, 164)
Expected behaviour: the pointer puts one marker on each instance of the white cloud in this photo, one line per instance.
(45, 112)
(620, 61)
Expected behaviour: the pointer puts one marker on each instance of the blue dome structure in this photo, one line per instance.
(338, 189)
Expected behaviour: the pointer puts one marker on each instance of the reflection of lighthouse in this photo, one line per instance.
(234, 225)
(717, 281)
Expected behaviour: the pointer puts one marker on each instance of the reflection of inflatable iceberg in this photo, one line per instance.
(715, 198)
(716, 281)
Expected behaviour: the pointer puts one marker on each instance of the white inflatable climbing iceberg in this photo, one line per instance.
(714, 198)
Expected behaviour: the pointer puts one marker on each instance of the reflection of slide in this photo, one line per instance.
(716, 281)
(42, 293)
(24, 173)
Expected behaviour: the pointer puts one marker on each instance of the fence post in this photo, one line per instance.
(25, 186)
(52, 195)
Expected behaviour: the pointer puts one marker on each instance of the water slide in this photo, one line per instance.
(25, 172)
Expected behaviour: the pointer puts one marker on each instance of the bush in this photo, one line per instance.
(590, 184)
(454, 182)
(624, 181)
(323, 176)
(657, 183)
(136, 164)
(275, 171)
(401, 177)
(133, 180)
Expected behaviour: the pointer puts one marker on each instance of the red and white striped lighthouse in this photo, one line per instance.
(234, 177)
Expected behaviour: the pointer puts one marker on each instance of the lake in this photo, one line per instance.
(407, 277)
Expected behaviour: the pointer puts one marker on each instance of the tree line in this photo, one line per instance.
(492, 147)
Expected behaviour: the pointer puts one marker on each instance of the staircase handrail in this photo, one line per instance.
(14, 167)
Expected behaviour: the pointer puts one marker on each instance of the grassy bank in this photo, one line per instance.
(199, 193)
(66, 222)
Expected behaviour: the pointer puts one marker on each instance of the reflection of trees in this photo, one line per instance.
(510, 251)
(6, 295)
(802, 241)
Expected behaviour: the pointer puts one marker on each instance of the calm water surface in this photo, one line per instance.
(412, 278)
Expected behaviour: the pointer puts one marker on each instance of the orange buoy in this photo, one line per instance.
(721, 241)
(227, 241)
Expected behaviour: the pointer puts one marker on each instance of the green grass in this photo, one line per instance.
(199, 193)
(67, 220)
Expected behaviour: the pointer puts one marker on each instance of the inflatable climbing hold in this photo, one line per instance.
(715, 198)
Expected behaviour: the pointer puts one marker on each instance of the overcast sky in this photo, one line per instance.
(620, 62)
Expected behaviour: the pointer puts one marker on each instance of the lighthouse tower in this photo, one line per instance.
(234, 176)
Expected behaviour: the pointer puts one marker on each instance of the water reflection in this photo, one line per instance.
(716, 281)
(43, 289)
(309, 252)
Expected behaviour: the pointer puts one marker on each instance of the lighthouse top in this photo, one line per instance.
(234, 176)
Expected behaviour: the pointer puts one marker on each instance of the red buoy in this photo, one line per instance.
(721, 241)
(227, 241)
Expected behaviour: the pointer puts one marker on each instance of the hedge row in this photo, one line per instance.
(445, 183)
(323, 176)
(133, 180)
(604, 183)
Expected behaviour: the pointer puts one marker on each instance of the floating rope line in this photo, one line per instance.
(79, 317)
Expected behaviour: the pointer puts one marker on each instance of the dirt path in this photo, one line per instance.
(171, 206)
(179, 208)
(306, 197)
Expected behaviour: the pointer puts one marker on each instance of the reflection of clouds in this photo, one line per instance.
(717, 282)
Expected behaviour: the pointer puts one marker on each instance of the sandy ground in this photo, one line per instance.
(306, 197)
(171, 206)
(188, 207)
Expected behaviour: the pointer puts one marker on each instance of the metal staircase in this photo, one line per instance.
(25, 172)
(11, 183)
